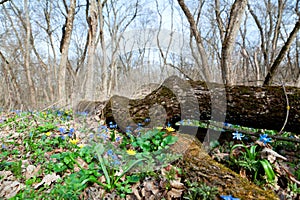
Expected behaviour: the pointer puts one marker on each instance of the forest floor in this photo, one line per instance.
(58, 154)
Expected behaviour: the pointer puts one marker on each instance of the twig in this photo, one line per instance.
(287, 109)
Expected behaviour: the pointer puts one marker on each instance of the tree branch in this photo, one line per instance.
(279, 58)
(3, 1)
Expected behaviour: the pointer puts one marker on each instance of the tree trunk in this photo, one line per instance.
(92, 21)
(64, 48)
(251, 106)
(282, 53)
(199, 42)
(105, 67)
(27, 58)
(235, 19)
(15, 90)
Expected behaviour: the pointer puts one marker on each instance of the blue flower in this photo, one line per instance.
(227, 124)
(116, 162)
(140, 124)
(118, 139)
(237, 135)
(168, 124)
(140, 127)
(110, 152)
(72, 130)
(62, 130)
(147, 120)
(59, 113)
(264, 138)
(17, 112)
(112, 126)
(103, 128)
(104, 136)
(229, 197)
(82, 113)
(3, 146)
(62, 137)
(128, 129)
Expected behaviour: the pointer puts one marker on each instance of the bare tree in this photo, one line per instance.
(92, 20)
(3, 1)
(282, 53)
(235, 19)
(14, 90)
(27, 56)
(64, 49)
(105, 67)
(198, 38)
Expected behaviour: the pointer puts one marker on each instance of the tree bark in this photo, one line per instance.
(282, 53)
(10, 78)
(105, 67)
(199, 42)
(92, 21)
(64, 48)
(251, 106)
(235, 19)
(27, 57)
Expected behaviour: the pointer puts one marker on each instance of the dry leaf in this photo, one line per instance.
(150, 186)
(243, 173)
(48, 179)
(176, 184)
(9, 189)
(271, 155)
(174, 193)
(135, 191)
(31, 171)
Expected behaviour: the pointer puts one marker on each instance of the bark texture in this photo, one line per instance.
(200, 167)
(176, 99)
(64, 49)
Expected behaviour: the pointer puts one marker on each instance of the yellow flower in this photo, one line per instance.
(48, 134)
(74, 141)
(159, 127)
(131, 152)
(170, 129)
(81, 145)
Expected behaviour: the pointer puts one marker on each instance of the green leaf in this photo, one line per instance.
(155, 141)
(56, 156)
(133, 179)
(170, 139)
(67, 160)
(59, 167)
(268, 169)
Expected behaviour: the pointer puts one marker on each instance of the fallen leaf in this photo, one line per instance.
(9, 189)
(135, 191)
(47, 180)
(31, 171)
(174, 193)
(176, 184)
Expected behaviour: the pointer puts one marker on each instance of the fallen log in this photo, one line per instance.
(198, 166)
(176, 99)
